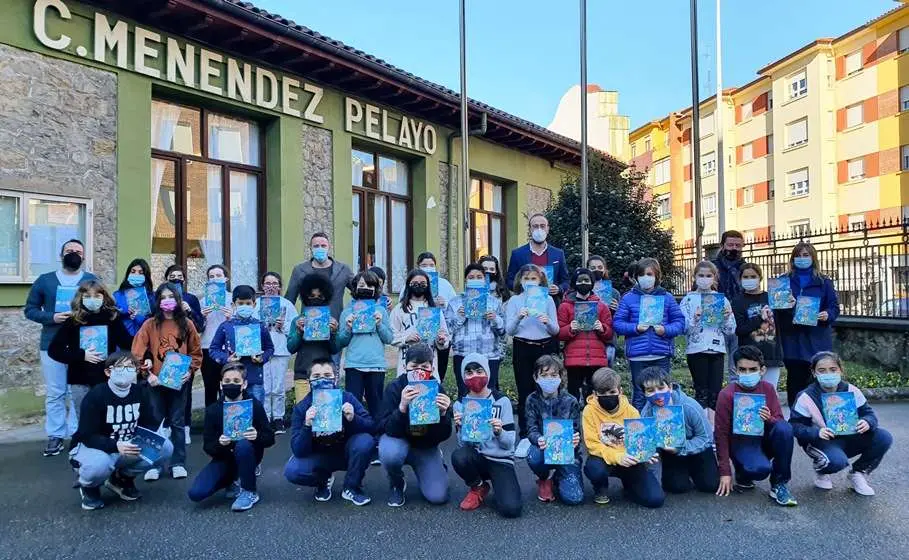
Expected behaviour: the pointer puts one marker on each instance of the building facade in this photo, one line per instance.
(607, 130)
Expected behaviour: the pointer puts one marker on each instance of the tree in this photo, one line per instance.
(623, 223)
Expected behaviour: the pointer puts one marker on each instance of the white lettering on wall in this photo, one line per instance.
(416, 128)
(404, 138)
(310, 113)
(429, 139)
(143, 50)
(386, 137)
(239, 82)
(412, 134)
(39, 25)
(372, 122)
(114, 37)
(271, 100)
(184, 63)
(287, 96)
(207, 70)
(353, 113)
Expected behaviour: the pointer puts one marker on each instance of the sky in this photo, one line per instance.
(522, 55)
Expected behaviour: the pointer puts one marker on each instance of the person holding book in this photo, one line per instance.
(41, 307)
(135, 296)
(495, 278)
(214, 314)
(278, 314)
(325, 265)
(315, 291)
(552, 401)
(802, 341)
(489, 464)
(754, 321)
(539, 252)
(833, 422)
(383, 292)
(691, 463)
(169, 331)
(604, 436)
(402, 442)
(585, 326)
(177, 276)
(729, 264)
(245, 339)
(481, 335)
(102, 450)
(532, 322)
(318, 455)
(708, 320)
(766, 453)
(364, 334)
(597, 265)
(405, 319)
(92, 332)
(233, 457)
(649, 319)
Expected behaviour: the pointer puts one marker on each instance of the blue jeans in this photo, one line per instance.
(833, 456)
(314, 470)
(367, 386)
(640, 485)
(170, 404)
(96, 466)
(58, 422)
(568, 479)
(427, 465)
(222, 473)
(257, 392)
(637, 394)
(756, 458)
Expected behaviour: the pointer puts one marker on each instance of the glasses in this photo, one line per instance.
(271, 284)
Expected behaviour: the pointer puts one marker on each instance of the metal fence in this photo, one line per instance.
(869, 264)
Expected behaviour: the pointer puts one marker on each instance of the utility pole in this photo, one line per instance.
(585, 225)
(696, 133)
(465, 137)
(720, 106)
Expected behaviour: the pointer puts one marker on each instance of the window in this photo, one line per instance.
(797, 133)
(664, 209)
(33, 229)
(647, 145)
(798, 182)
(853, 62)
(855, 115)
(708, 164)
(747, 153)
(381, 214)
(904, 98)
(707, 125)
(856, 168)
(634, 149)
(748, 195)
(798, 85)
(903, 40)
(769, 100)
(856, 222)
(207, 193)
(709, 203)
(661, 172)
(746, 110)
(487, 219)
(800, 228)
(770, 190)
(904, 158)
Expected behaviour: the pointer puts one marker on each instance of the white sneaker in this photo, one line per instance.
(186, 432)
(151, 475)
(823, 481)
(522, 449)
(179, 472)
(860, 484)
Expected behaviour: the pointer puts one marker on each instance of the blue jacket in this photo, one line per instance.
(802, 342)
(302, 441)
(224, 343)
(521, 256)
(132, 325)
(364, 351)
(39, 306)
(648, 343)
(698, 431)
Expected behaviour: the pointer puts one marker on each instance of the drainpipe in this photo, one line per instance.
(459, 209)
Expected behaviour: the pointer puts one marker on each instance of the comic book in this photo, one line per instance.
(806, 311)
(585, 313)
(746, 418)
(149, 443)
(475, 421)
(475, 302)
(603, 290)
(536, 303)
(423, 409)
(317, 325)
(94, 338)
(641, 438)
(270, 309)
(840, 412)
(327, 403)
(559, 447)
(382, 302)
(215, 294)
(652, 308)
(64, 298)
(173, 369)
(248, 339)
(363, 312)
(549, 270)
(712, 307)
(779, 291)
(137, 300)
(434, 283)
(237, 418)
(429, 321)
(670, 426)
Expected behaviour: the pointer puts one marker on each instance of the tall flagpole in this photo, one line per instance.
(720, 107)
(585, 226)
(465, 136)
(696, 132)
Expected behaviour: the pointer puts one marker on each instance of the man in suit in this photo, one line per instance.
(542, 254)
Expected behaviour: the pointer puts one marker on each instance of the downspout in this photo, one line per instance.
(461, 208)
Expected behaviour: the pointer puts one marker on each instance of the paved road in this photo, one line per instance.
(41, 518)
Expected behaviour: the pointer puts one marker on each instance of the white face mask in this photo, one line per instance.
(704, 282)
(750, 284)
(538, 235)
(646, 282)
(121, 379)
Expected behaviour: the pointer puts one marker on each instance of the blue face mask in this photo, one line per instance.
(475, 284)
(529, 284)
(322, 383)
(802, 263)
(549, 385)
(219, 280)
(245, 311)
(320, 254)
(829, 380)
(136, 280)
(660, 399)
(749, 380)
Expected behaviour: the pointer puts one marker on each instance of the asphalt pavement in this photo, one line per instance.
(41, 518)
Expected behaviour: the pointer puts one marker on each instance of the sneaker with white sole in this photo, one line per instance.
(151, 475)
(323, 492)
(396, 495)
(522, 449)
(356, 496)
(186, 435)
(860, 484)
(179, 472)
(245, 501)
(823, 481)
(91, 498)
(123, 486)
(54, 447)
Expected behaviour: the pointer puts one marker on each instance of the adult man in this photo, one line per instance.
(542, 254)
(338, 273)
(48, 303)
(729, 263)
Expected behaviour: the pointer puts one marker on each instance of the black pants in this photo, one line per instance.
(679, 471)
(798, 378)
(442, 357)
(525, 356)
(211, 377)
(474, 469)
(707, 374)
(578, 378)
(188, 411)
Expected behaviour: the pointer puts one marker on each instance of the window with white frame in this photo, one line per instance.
(798, 182)
(798, 85)
(661, 172)
(634, 150)
(797, 133)
(904, 39)
(747, 152)
(856, 168)
(708, 164)
(770, 190)
(647, 144)
(856, 222)
(800, 228)
(663, 206)
(33, 229)
(749, 237)
(747, 109)
(855, 115)
(709, 203)
(904, 98)
(904, 158)
(748, 195)
(707, 125)
(853, 62)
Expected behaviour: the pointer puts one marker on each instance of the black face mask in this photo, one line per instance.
(72, 261)
(231, 390)
(419, 291)
(608, 402)
(365, 293)
(597, 275)
(176, 282)
(318, 300)
(583, 288)
(732, 254)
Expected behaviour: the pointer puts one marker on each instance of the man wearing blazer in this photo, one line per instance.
(540, 253)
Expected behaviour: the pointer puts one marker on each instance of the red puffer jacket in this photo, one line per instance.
(585, 348)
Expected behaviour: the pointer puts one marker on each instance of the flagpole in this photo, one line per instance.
(720, 106)
(585, 233)
(465, 136)
(695, 132)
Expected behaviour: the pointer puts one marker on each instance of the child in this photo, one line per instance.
(101, 449)
(175, 275)
(417, 295)
(170, 330)
(597, 265)
(380, 274)
(492, 460)
(417, 446)
(138, 276)
(604, 436)
(315, 290)
(533, 336)
(317, 456)
(494, 277)
(275, 369)
(695, 460)
(585, 351)
(364, 362)
(754, 323)
(233, 463)
(706, 342)
(481, 336)
(550, 400)
(831, 452)
(92, 306)
(647, 345)
(224, 344)
(214, 315)
(755, 458)
(426, 262)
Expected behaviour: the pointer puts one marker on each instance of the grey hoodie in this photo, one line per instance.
(501, 447)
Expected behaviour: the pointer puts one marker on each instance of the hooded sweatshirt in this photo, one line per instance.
(604, 431)
(698, 433)
(807, 416)
(500, 448)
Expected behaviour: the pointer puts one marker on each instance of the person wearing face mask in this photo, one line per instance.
(102, 448)
(585, 349)
(233, 463)
(754, 321)
(176, 276)
(322, 263)
(315, 291)
(801, 342)
(274, 371)
(494, 277)
(417, 295)
(539, 252)
(729, 263)
(214, 315)
(814, 424)
(48, 303)
(130, 298)
(754, 457)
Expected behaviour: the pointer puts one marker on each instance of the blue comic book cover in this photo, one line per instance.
(475, 420)
(429, 321)
(840, 412)
(270, 309)
(215, 294)
(149, 443)
(248, 339)
(94, 338)
(536, 300)
(559, 446)
(746, 417)
(383, 301)
(475, 302)
(641, 439)
(603, 290)
(327, 403)
(806, 311)
(237, 418)
(779, 291)
(549, 270)
(651, 312)
(434, 283)
(670, 426)
(712, 307)
(317, 325)
(64, 298)
(173, 369)
(585, 313)
(137, 300)
(363, 312)
(423, 408)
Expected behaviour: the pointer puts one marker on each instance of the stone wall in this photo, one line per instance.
(316, 189)
(887, 349)
(536, 199)
(447, 197)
